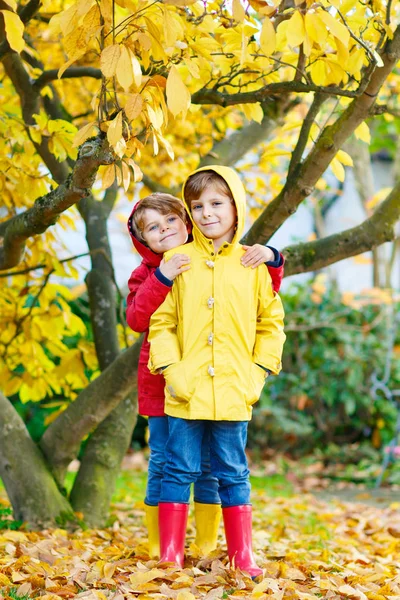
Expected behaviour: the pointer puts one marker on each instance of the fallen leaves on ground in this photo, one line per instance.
(308, 549)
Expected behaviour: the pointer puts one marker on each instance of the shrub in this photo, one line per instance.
(333, 387)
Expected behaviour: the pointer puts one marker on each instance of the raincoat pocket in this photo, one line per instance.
(256, 384)
(175, 382)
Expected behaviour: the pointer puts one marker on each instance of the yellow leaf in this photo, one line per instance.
(185, 595)
(124, 70)
(344, 158)
(70, 62)
(338, 169)
(315, 28)
(14, 30)
(178, 96)
(180, 2)
(336, 28)
(318, 72)
(166, 145)
(238, 11)
(109, 60)
(140, 578)
(108, 176)
(137, 173)
(268, 37)
(136, 68)
(170, 31)
(12, 4)
(378, 197)
(295, 30)
(126, 175)
(362, 133)
(134, 106)
(114, 132)
(83, 134)
(253, 112)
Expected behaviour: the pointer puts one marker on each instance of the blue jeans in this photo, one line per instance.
(227, 441)
(205, 488)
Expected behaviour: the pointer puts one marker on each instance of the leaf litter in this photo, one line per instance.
(309, 549)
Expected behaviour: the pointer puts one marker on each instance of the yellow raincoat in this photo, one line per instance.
(218, 323)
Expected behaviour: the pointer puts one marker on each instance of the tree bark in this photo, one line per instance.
(376, 230)
(47, 209)
(31, 489)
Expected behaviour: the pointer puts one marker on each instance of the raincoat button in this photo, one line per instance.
(210, 302)
(211, 371)
(210, 339)
(210, 264)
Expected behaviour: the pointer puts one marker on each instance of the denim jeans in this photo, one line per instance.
(206, 486)
(227, 441)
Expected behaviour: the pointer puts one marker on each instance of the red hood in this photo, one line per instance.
(149, 257)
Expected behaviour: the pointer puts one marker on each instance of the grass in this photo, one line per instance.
(131, 486)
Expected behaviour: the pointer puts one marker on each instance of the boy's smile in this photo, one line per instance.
(163, 232)
(215, 215)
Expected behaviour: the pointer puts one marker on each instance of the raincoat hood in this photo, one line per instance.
(239, 197)
(149, 257)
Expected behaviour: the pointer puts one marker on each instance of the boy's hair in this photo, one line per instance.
(198, 182)
(165, 204)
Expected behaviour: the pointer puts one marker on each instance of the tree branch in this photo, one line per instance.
(71, 72)
(210, 96)
(376, 230)
(324, 150)
(45, 211)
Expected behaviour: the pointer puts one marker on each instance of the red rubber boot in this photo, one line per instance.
(237, 521)
(172, 520)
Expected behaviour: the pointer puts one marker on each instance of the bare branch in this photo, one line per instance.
(376, 230)
(45, 211)
(210, 96)
(72, 72)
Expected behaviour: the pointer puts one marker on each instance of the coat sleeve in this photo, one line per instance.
(164, 344)
(269, 332)
(146, 293)
(276, 270)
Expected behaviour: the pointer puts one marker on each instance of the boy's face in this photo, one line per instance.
(163, 232)
(215, 215)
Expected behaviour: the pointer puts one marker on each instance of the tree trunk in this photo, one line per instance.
(32, 491)
(95, 482)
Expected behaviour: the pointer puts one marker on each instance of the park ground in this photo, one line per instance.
(313, 538)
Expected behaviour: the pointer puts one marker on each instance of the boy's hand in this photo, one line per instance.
(256, 255)
(177, 264)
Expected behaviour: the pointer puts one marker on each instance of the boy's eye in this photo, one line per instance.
(217, 202)
(171, 219)
(153, 227)
(196, 206)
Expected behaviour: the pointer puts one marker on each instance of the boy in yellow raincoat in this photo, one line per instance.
(216, 337)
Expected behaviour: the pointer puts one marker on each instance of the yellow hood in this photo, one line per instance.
(239, 198)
